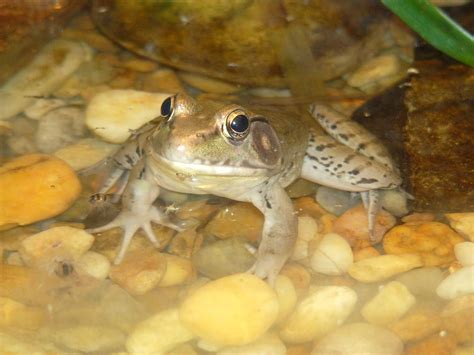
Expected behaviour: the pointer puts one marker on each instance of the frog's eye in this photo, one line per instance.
(237, 124)
(167, 107)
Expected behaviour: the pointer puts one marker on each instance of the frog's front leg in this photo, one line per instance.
(138, 211)
(279, 231)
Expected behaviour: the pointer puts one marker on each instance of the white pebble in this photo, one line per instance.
(333, 255)
(307, 232)
(113, 114)
(459, 283)
(389, 305)
(465, 253)
(359, 338)
(94, 264)
(47, 72)
(320, 312)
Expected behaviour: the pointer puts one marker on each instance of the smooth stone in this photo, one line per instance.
(299, 275)
(377, 72)
(457, 317)
(240, 220)
(359, 338)
(465, 253)
(47, 72)
(85, 153)
(390, 304)
(317, 314)
(459, 283)
(163, 80)
(333, 255)
(93, 264)
(423, 281)
(433, 241)
(42, 181)
(419, 323)
(268, 344)
(463, 223)
(140, 65)
(233, 310)
(178, 271)
(308, 232)
(40, 107)
(16, 314)
(10, 344)
(287, 297)
(394, 201)
(158, 334)
(59, 243)
(140, 271)
(87, 338)
(383, 267)
(335, 201)
(224, 257)
(114, 114)
(353, 225)
(59, 128)
(209, 85)
(301, 187)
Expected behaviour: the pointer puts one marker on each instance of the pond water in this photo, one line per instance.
(251, 78)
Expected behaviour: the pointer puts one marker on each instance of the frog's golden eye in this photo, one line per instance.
(237, 125)
(167, 107)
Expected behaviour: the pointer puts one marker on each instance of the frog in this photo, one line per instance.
(243, 154)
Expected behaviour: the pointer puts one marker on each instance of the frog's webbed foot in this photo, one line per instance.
(371, 203)
(279, 232)
(138, 212)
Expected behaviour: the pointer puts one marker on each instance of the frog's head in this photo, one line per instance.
(214, 138)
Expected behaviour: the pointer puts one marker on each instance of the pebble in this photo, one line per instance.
(359, 338)
(113, 114)
(383, 267)
(324, 309)
(40, 107)
(140, 271)
(394, 201)
(298, 274)
(307, 233)
(56, 244)
(240, 220)
(16, 314)
(459, 283)
(158, 334)
(209, 85)
(93, 264)
(465, 253)
(335, 201)
(301, 187)
(178, 271)
(308, 206)
(85, 153)
(458, 317)
(365, 253)
(268, 344)
(463, 223)
(441, 343)
(353, 225)
(59, 128)
(10, 344)
(433, 241)
(423, 281)
(47, 72)
(163, 80)
(390, 304)
(333, 255)
(140, 65)
(287, 297)
(223, 257)
(233, 310)
(186, 243)
(87, 338)
(93, 39)
(417, 324)
(38, 180)
(375, 73)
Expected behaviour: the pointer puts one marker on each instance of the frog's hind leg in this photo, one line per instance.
(371, 203)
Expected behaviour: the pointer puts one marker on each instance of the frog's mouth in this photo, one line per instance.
(198, 167)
